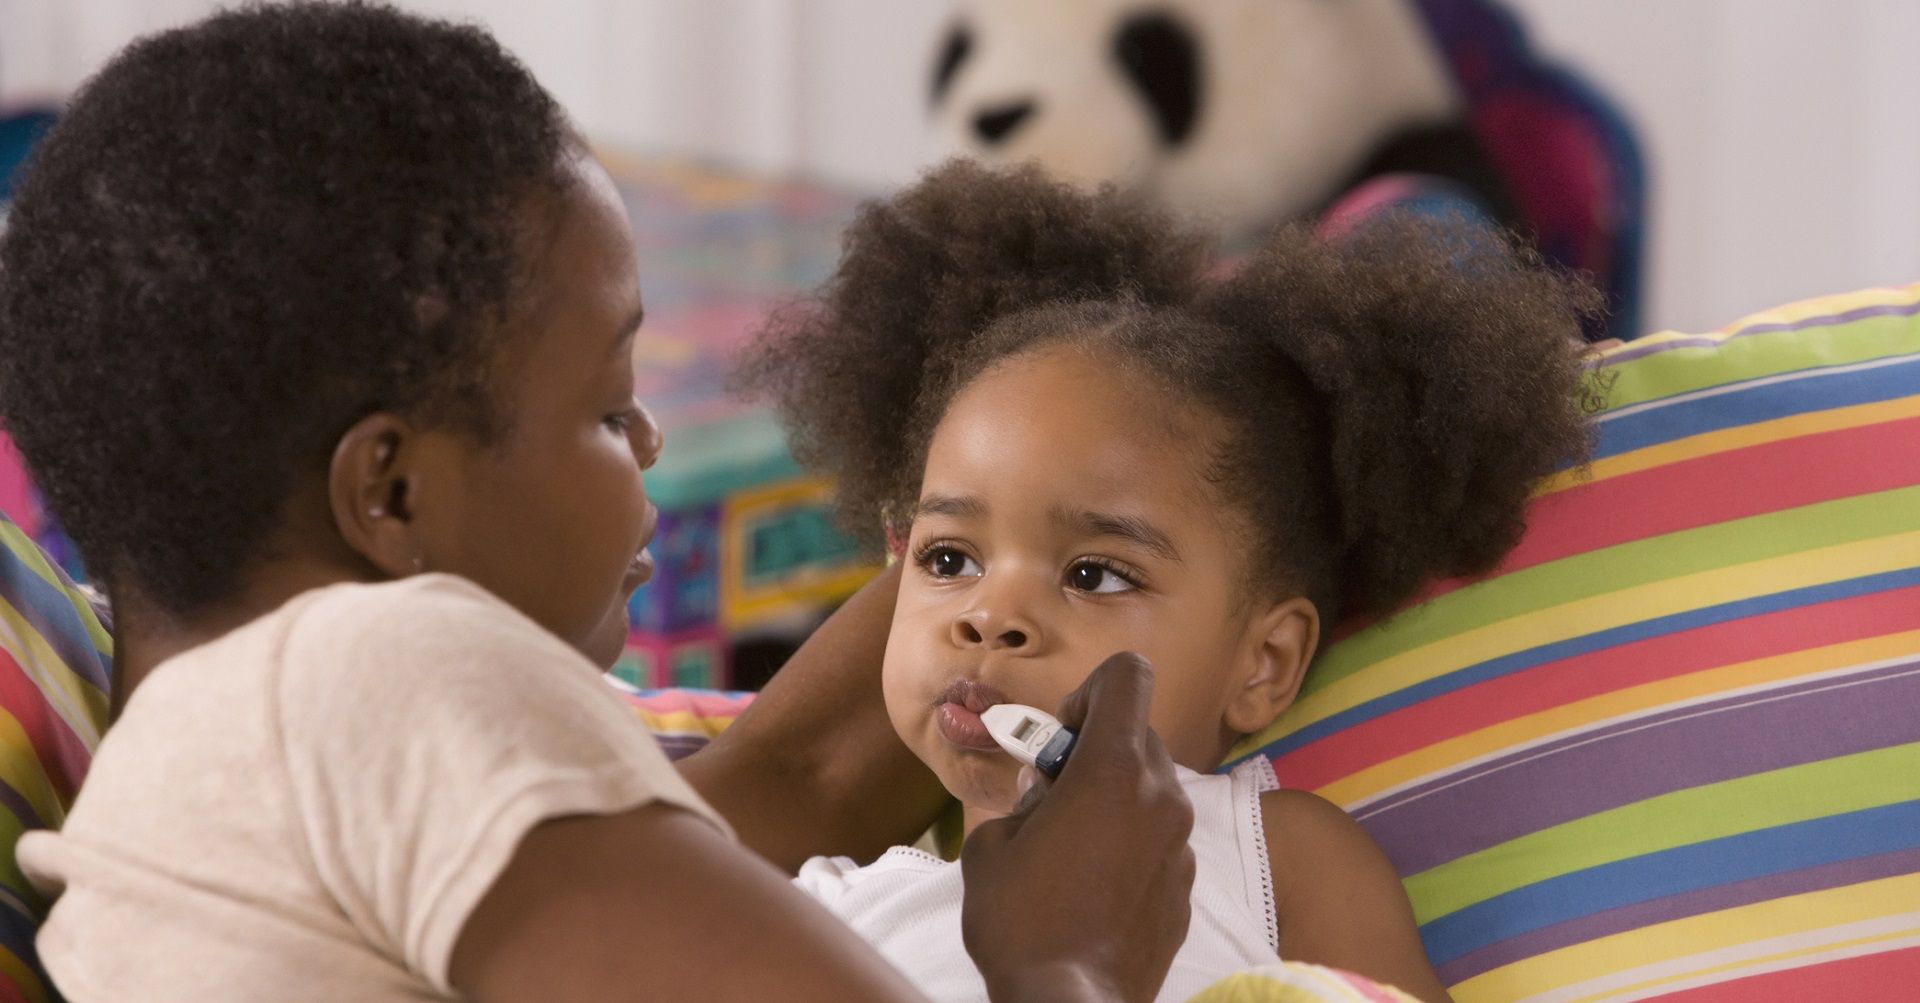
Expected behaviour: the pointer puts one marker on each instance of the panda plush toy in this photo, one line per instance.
(1243, 113)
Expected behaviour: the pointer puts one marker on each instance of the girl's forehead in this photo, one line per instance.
(1064, 428)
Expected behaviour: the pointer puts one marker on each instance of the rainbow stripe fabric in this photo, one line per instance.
(683, 720)
(1671, 748)
(54, 658)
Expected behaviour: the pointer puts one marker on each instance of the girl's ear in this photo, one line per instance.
(1280, 644)
(370, 486)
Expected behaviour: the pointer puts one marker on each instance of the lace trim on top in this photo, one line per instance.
(1263, 780)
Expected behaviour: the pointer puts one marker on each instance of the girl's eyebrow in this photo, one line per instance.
(952, 506)
(1126, 527)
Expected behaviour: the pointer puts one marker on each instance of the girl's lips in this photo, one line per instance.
(963, 727)
(957, 713)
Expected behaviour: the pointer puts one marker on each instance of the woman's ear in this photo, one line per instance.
(1280, 644)
(370, 487)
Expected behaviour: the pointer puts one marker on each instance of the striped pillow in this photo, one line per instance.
(683, 721)
(54, 658)
(1671, 748)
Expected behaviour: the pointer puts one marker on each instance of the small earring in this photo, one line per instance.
(419, 563)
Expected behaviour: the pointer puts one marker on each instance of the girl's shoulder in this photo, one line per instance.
(1309, 840)
(1337, 898)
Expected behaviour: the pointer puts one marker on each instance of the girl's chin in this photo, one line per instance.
(982, 784)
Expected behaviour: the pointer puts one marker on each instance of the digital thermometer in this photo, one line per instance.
(1034, 737)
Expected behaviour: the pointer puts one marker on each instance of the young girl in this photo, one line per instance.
(314, 326)
(1086, 445)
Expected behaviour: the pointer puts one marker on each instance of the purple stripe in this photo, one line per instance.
(681, 746)
(1662, 715)
(13, 801)
(1632, 351)
(1694, 903)
(1642, 758)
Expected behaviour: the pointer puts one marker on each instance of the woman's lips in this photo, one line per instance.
(639, 570)
(957, 713)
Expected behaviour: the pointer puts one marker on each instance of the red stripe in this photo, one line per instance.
(1888, 975)
(1723, 486)
(1716, 488)
(1578, 677)
(63, 757)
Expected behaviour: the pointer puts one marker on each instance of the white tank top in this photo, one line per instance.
(907, 903)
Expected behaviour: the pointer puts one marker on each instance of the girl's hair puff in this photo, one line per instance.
(1388, 399)
(921, 277)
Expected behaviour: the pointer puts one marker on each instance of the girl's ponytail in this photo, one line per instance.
(1442, 366)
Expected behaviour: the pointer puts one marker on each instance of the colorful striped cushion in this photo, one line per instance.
(1671, 748)
(683, 721)
(54, 660)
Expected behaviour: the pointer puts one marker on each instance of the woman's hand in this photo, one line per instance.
(1083, 894)
(814, 768)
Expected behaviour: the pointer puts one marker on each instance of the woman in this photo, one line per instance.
(315, 328)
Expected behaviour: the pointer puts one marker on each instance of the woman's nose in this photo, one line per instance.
(648, 439)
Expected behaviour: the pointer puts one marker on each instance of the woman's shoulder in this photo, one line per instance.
(400, 602)
(432, 651)
(444, 619)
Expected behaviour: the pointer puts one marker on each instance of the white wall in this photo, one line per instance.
(1782, 144)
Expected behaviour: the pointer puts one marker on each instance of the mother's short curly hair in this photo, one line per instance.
(1389, 398)
(244, 236)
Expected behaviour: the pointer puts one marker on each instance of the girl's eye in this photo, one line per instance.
(946, 562)
(1093, 577)
(621, 421)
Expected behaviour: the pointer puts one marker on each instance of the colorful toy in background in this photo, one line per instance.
(19, 130)
(747, 557)
(19, 498)
(1244, 113)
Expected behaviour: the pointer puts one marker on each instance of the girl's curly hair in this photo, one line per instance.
(1389, 398)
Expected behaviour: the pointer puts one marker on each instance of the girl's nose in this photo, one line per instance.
(983, 627)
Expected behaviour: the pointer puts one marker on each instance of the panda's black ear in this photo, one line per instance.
(953, 52)
(1159, 54)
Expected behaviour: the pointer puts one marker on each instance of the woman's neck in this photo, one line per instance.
(145, 636)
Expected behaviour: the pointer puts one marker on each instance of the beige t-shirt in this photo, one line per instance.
(309, 808)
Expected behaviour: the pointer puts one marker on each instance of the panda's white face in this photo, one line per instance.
(1240, 111)
(1041, 80)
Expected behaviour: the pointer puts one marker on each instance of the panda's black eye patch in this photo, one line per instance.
(953, 52)
(1159, 55)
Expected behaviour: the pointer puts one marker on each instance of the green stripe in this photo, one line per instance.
(1695, 815)
(1623, 566)
(11, 877)
(1684, 370)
